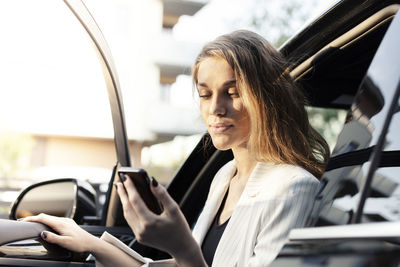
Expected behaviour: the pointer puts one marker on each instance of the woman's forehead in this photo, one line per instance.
(214, 68)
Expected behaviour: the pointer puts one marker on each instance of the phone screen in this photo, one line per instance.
(141, 181)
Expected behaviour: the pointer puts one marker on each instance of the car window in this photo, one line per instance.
(328, 122)
(384, 200)
(55, 119)
(347, 171)
(163, 160)
(161, 112)
(176, 125)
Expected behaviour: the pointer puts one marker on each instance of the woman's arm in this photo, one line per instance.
(74, 238)
(168, 231)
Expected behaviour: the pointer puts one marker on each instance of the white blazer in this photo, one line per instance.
(276, 198)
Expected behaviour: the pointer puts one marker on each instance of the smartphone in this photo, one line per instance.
(141, 181)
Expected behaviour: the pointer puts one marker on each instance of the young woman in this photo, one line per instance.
(250, 105)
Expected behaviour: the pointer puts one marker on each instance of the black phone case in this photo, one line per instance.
(141, 181)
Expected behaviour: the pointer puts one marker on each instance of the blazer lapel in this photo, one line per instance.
(215, 197)
(242, 214)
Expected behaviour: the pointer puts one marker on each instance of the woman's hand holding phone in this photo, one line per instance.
(167, 231)
(141, 182)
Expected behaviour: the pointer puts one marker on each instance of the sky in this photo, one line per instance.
(222, 16)
(44, 51)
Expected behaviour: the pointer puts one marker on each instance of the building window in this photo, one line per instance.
(165, 93)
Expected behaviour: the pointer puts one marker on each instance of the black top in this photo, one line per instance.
(213, 236)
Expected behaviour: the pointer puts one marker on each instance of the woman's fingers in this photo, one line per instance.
(168, 231)
(136, 200)
(163, 196)
(130, 214)
(69, 234)
(51, 221)
(123, 196)
(51, 237)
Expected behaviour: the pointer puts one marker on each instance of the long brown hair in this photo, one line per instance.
(280, 130)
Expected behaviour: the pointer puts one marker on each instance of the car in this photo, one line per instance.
(346, 59)
(353, 64)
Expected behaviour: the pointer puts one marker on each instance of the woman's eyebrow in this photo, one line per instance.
(229, 83)
(202, 84)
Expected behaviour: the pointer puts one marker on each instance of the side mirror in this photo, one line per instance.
(69, 198)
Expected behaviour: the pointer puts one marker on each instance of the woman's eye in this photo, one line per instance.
(233, 94)
(204, 95)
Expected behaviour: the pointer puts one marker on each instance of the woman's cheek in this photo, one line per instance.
(204, 111)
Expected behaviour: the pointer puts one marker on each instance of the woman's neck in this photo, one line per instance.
(245, 163)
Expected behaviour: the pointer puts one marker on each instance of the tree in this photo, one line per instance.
(277, 20)
(15, 152)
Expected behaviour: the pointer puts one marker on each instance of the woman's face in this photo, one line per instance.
(221, 106)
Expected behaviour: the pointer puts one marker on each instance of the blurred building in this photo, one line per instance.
(149, 62)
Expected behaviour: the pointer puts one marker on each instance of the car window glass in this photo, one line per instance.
(161, 111)
(164, 159)
(384, 202)
(55, 119)
(349, 165)
(176, 125)
(392, 139)
(382, 83)
(328, 122)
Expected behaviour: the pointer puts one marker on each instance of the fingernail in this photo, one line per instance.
(20, 219)
(154, 181)
(122, 177)
(44, 235)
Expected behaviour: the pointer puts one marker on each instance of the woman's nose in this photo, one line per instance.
(217, 107)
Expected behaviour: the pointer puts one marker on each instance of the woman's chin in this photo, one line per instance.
(221, 144)
(228, 142)
(222, 148)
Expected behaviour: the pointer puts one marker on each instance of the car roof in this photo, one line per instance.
(330, 57)
(335, 21)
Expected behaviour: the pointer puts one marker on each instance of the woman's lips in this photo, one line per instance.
(219, 128)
